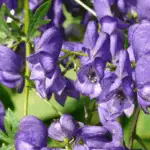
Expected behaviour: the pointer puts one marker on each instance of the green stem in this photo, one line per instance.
(86, 7)
(140, 141)
(57, 111)
(67, 147)
(85, 112)
(28, 52)
(75, 53)
(133, 127)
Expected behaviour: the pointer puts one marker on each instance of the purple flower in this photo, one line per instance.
(89, 77)
(108, 137)
(117, 96)
(46, 86)
(92, 67)
(32, 134)
(66, 127)
(139, 38)
(10, 75)
(43, 63)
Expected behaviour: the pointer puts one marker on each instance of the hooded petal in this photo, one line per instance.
(10, 60)
(140, 40)
(32, 133)
(51, 42)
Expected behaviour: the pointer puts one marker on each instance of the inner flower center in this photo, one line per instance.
(120, 95)
(92, 75)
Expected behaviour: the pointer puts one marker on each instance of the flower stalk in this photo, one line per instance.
(74, 53)
(86, 7)
(28, 52)
(133, 127)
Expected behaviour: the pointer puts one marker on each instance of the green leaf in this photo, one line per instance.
(6, 10)
(11, 126)
(36, 20)
(13, 121)
(8, 147)
(6, 36)
(3, 25)
(5, 138)
(8, 128)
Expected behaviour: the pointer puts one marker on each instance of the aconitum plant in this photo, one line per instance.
(87, 61)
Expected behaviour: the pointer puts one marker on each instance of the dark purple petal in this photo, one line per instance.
(56, 132)
(10, 60)
(102, 8)
(61, 99)
(121, 25)
(143, 9)
(102, 47)
(116, 44)
(140, 40)
(53, 38)
(91, 35)
(32, 133)
(68, 124)
(108, 24)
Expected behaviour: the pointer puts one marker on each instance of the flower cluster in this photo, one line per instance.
(32, 134)
(111, 63)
